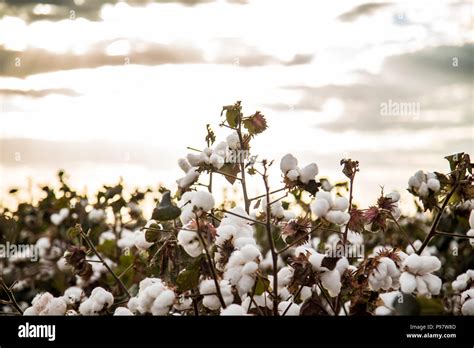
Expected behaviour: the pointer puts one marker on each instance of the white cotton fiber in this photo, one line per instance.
(288, 162)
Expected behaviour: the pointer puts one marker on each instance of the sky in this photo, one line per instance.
(109, 89)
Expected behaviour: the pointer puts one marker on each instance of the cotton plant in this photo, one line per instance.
(417, 275)
(304, 246)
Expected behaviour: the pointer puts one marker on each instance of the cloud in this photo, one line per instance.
(426, 77)
(362, 10)
(39, 93)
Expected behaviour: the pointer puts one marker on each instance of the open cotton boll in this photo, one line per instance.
(211, 302)
(196, 160)
(331, 281)
(288, 162)
(471, 219)
(127, 239)
(233, 141)
(184, 165)
(234, 309)
(337, 217)
(189, 240)
(217, 161)
(407, 282)
(292, 309)
(468, 307)
(203, 200)
(96, 215)
(420, 176)
(191, 176)
(107, 235)
(59, 217)
(308, 173)
(396, 213)
(102, 296)
(414, 182)
(324, 195)
(320, 207)
(423, 191)
(140, 240)
(293, 175)
(470, 233)
(163, 302)
(285, 276)
(394, 196)
(433, 185)
(73, 295)
(340, 203)
(122, 311)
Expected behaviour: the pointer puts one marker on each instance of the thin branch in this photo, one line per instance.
(271, 242)
(11, 296)
(117, 279)
(457, 235)
(242, 217)
(211, 265)
(432, 232)
(263, 196)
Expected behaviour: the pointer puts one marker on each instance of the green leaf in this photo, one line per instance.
(232, 114)
(188, 278)
(261, 286)
(74, 232)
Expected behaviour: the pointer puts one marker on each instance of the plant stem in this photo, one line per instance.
(453, 235)
(11, 296)
(432, 232)
(242, 217)
(117, 279)
(264, 195)
(272, 244)
(346, 229)
(242, 168)
(211, 265)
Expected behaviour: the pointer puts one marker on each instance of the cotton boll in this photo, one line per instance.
(30, 311)
(41, 301)
(413, 262)
(233, 141)
(56, 219)
(433, 185)
(102, 296)
(432, 282)
(191, 176)
(316, 260)
(288, 162)
(423, 191)
(471, 219)
(249, 268)
(250, 252)
(342, 264)
(184, 165)
(73, 294)
(308, 173)
(196, 160)
(337, 217)
(163, 302)
(470, 233)
(122, 311)
(324, 195)
(107, 235)
(468, 307)
(293, 175)
(127, 239)
(285, 276)
(414, 182)
(292, 309)
(234, 309)
(183, 303)
(460, 283)
(207, 151)
(57, 306)
(341, 204)
(203, 200)
(382, 310)
(217, 161)
(96, 215)
(407, 282)
(394, 196)
(331, 281)
(320, 207)
(190, 242)
(140, 240)
(207, 286)
(221, 149)
(133, 304)
(420, 176)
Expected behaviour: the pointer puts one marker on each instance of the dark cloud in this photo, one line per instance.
(35, 61)
(38, 93)
(362, 10)
(88, 9)
(230, 51)
(416, 77)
